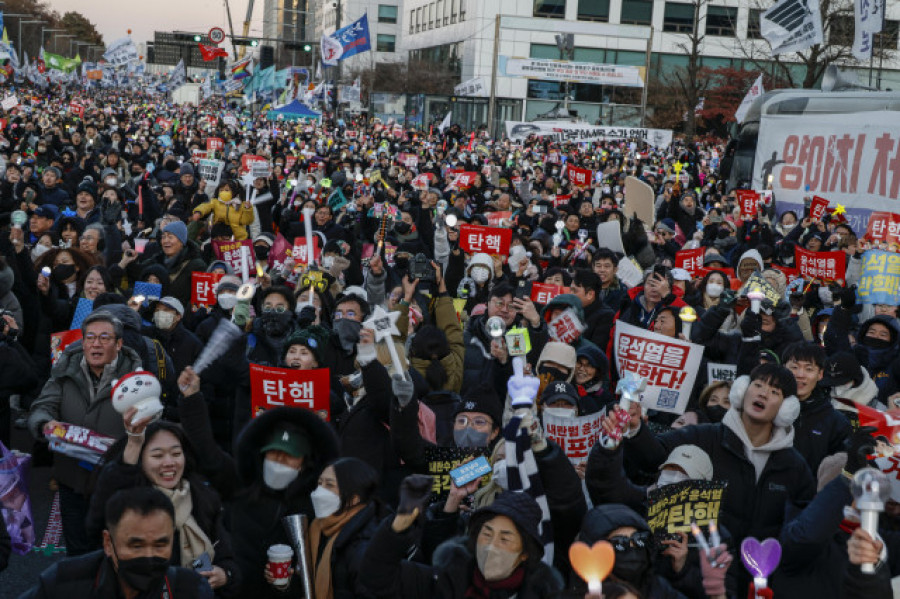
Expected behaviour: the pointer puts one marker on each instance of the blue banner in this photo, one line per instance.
(354, 38)
(879, 282)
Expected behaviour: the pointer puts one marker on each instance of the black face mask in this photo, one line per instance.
(402, 228)
(555, 374)
(142, 574)
(631, 564)
(261, 251)
(348, 333)
(61, 272)
(876, 343)
(715, 413)
(275, 324)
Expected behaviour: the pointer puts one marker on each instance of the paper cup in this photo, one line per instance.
(279, 566)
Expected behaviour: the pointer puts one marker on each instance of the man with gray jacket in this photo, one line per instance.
(79, 392)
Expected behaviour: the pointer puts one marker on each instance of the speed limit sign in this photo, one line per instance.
(216, 35)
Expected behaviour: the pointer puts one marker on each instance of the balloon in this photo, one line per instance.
(760, 559)
(594, 563)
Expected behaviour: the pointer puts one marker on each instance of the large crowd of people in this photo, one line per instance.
(192, 501)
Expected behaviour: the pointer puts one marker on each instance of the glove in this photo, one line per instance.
(307, 316)
(522, 390)
(415, 491)
(714, 576)
(241, 314)
(860, 445)
(752, 593)
(403, 389)
(750, 324)
(847, 297)
(110, 212)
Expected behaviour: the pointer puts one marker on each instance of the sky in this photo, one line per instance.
(114, 19)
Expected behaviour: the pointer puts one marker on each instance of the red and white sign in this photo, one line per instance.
(690, 260)
(884, 226)
(408, 160)
(464, 180)
(817, 208)
(543, 293)
(216, 35)
(247, 161)
(230, 252)
(198, 155)
(76, 109)
(748, 201)
(669, 365)
(420, 182)
(164, 124)
(490, 240)
(289, 162)
(561, 199)
(827, 266)
(575, 436)
(499, 219)
(203, 285)
(566, 327)
(277, 387)
(580, 177)
(215, 144)
(60, 341)
(299, 254)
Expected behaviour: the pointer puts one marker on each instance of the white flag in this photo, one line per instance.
(445, 123)
(792, 25)
(178, 77)
(755, 91)
(869, 15)
(331, 50)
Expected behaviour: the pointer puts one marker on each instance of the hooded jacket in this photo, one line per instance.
(751, 255)
(8, 301)
(820, 429)
(236, 217)
(565, 301)
(876, 361)
(446, 319)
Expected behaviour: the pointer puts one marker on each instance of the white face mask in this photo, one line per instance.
(277, 476)
(714, 289)
(111, 181)
(325, 502)
(163, 320)
(495, 563)
(561, 412)
(670, 477)
(479, 274)
(227, 301)
(499, 474)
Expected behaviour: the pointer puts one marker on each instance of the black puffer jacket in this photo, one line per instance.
(348, 550)
(820, 430)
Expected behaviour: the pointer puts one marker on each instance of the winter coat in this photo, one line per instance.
(236, 217)
(607, 482)
(879, 363)
(254, 517)
(18, 372)
(8, 301)
(478, 364)
(93, 576)
(600, 320)
(186, 262)
(348, 550)
(614, 295)
(69, 396)
(386, 574)
(820, 430)
(447, 320)
(724, 347)
(182, 346)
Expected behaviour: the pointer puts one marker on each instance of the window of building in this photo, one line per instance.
(446, 12)
(678, 18)
(637, 12)
(418, 19)
(721, 21)
(753, 31)
(430, 9)
(887, 39)
(385, 42)
(593, 10)
(454, 10)
(462, 10)
(412, 21)
(438, 12)
(551, 9)
(387, 13)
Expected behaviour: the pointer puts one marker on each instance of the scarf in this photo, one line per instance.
(194, 541)
(330, 527)
(482, 589)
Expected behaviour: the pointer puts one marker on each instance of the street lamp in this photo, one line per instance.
(43, 31)
(56, 40)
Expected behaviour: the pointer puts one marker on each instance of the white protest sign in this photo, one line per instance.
(211, 172)
(9, 103)
(629, 274)
(575, 436)
(640, 201)
(669, 365)
(230, 120)
(260, 169)
(609, 235)
(720, 372)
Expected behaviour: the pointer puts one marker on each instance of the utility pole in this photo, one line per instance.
(646, 77)
(492, 103)
(337, 72)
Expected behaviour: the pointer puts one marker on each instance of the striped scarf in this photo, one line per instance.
(523, 475)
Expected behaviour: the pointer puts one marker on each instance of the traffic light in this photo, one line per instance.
(307, 47)
(245, 41)
(254, 42)
(197, 37)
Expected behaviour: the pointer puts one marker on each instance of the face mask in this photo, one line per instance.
(348, 333)
(142, 574)
(327, 262)
(275, 324)
(553, 374)
(716, 413)
(480, 274)
(278, 476)
(670, 477)
(227, 301)
(61, 272)
(499, 474)
(261, 251)
(876, 343)
(402, 228)
(631, 564)
(163, 320)
(225, 195)
(494, 563)
(325, 502)
(469, 437)
(561, 412)
(111, 181)
(714, 290)
(38, 251)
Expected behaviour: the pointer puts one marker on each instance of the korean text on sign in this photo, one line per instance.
(673, 507)
(203, 286)
(884, 226)
(230, 252)
(276, 387)
(575, 436)
(490, 240)
(440, 461)
(690, 260)
(880, 279)
(827, 266)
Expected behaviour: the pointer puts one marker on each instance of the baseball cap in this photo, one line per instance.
(292, 443)
(840, 369)
(680, 274)
(560, 390)
(694, 461)
(171, 302)
(47, 211)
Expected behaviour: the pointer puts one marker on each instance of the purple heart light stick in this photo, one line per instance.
(760, 559)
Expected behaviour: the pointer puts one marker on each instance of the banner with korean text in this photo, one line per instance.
(230, 252)
(490, 240)
(672, 508)
(276, 387)
(565, 131)
(203, 285)
(690, 260)
(669, 365)
(880, 279)
(575, 436)
(826, 266)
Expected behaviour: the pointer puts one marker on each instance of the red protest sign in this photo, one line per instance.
(215, 144)
(491, 240)
(747, 200)
(543, 293)
(203, 286)
(496, 219)
(827, 266)
(164, 124)
(299, 253)
(690, 260)
(230, 252)
(561, 200)
(420, 182)
(60, 341)
(580, 177)
(817, 208)
(76, 109)
(884, 226)
(289, 162)
(464, 180)
(276, 387)
(566, 327)
(248, 159)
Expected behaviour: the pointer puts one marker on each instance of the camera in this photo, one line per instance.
(539, 209)
(420, 268)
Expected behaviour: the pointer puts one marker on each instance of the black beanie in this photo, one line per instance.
(482, 399)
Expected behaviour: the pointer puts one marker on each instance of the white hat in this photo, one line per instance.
(694, 461)
(173, 303)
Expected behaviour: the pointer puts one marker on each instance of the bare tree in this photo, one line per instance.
(413, 77)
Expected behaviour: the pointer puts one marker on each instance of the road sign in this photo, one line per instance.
(216, 35)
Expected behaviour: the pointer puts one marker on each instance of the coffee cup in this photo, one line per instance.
(279, 566)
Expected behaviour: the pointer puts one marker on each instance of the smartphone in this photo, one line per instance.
(523, 290)
(202, 563)
(539, 210)
(463, 475)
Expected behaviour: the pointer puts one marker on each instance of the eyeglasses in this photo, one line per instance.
(338, 315)
(279, 309)
(476, 422)
(103, 338)
(501, 305)
(622, 543)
